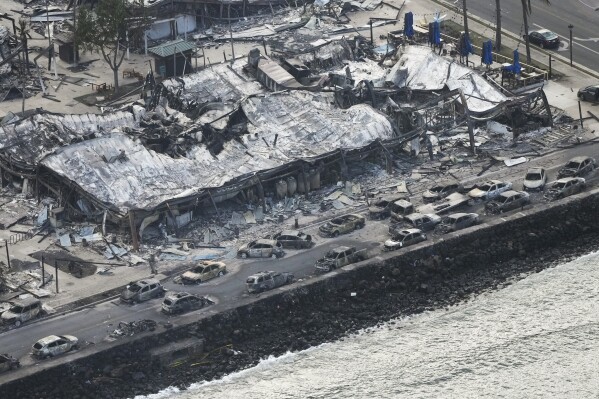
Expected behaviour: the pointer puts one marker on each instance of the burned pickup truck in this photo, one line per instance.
(339, 257)
(268, 280)
(342, 225)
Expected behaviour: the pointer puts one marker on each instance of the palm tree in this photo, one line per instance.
(526, 11)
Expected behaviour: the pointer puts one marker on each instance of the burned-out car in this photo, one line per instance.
(262, 248)
(54, 345)
(489, 190)
(8, 362)
(507, 201)
(22, 310)
(457, 221)
(180, 302)
(294, 239)
(142, 290)
(338, 257)
(535, 179)
(404, 238)
(577, 166)
(422, 221)
(441, 191)
(381, 208)
(267, 280)
(342, 225)
(564, 187)
(447, 204)
(205, 271)
(401, 208)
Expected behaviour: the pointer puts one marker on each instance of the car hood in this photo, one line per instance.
(244, 247)
(567, 171)
(190, 276)
(533, 183)
(71, 338)
(326, 227)
(126, 294)
(477, 193)
(8, 315)
(431, 194)
(392, 243)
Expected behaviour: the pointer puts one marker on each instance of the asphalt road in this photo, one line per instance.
(94, 324)
(582, 14)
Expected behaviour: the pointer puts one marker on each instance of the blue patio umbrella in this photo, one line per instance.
(487, 56)
(436, 32)
(409, 25)
(466, 47)
(516, 67)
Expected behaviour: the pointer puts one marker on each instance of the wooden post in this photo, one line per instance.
(133, 231)
(215, 207)
(580, 113)
(56, 274)
(43, 272)
(261, 194)
(7, 255)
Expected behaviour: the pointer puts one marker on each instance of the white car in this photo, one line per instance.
(489, 190)
(403, 239)
(535, 179)
(54, 345)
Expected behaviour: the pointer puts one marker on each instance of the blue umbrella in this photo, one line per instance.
(409, 25)
(466, 47)
(487, 56)
(436, 32)
(516, 68)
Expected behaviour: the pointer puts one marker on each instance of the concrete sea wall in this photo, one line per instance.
(329, 307)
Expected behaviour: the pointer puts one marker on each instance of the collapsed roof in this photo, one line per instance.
(122, 175)
(420, 68)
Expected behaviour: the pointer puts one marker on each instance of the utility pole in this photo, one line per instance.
(570, 27)
(464, 10)
(50, 52)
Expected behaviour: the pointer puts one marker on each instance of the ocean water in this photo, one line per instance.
(536, 338)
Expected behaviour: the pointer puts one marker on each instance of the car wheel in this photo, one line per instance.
(360, 225)
(221, 273)
(243, 255)
(542, 45)
(274, 256)
(18, 323)
(581, 96)
(336, 234)
(75, 347)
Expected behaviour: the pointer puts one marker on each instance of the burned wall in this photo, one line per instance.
(325, 309)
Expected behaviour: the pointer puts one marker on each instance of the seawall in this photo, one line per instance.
(427, 276)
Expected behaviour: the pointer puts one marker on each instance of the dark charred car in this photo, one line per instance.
(421, 221)
(535, 179)
(294, 239)
(404, 238)
(342, 225)
(267, 280)
(381, 208)
(401, 208)
(543, 38)
(180, 302)
(8, 362)
(507, 201)
(441, 191)
(577, 166)
(205, 271)
(564, 187)
(338, 257)
(589, 93)
(489, 190)
(142, 290)
(22, 310)
(457, 221)
(263, 248)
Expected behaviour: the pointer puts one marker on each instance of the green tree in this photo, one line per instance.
(109, 29)
(526, 12)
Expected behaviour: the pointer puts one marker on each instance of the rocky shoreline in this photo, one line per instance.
(431, 277)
